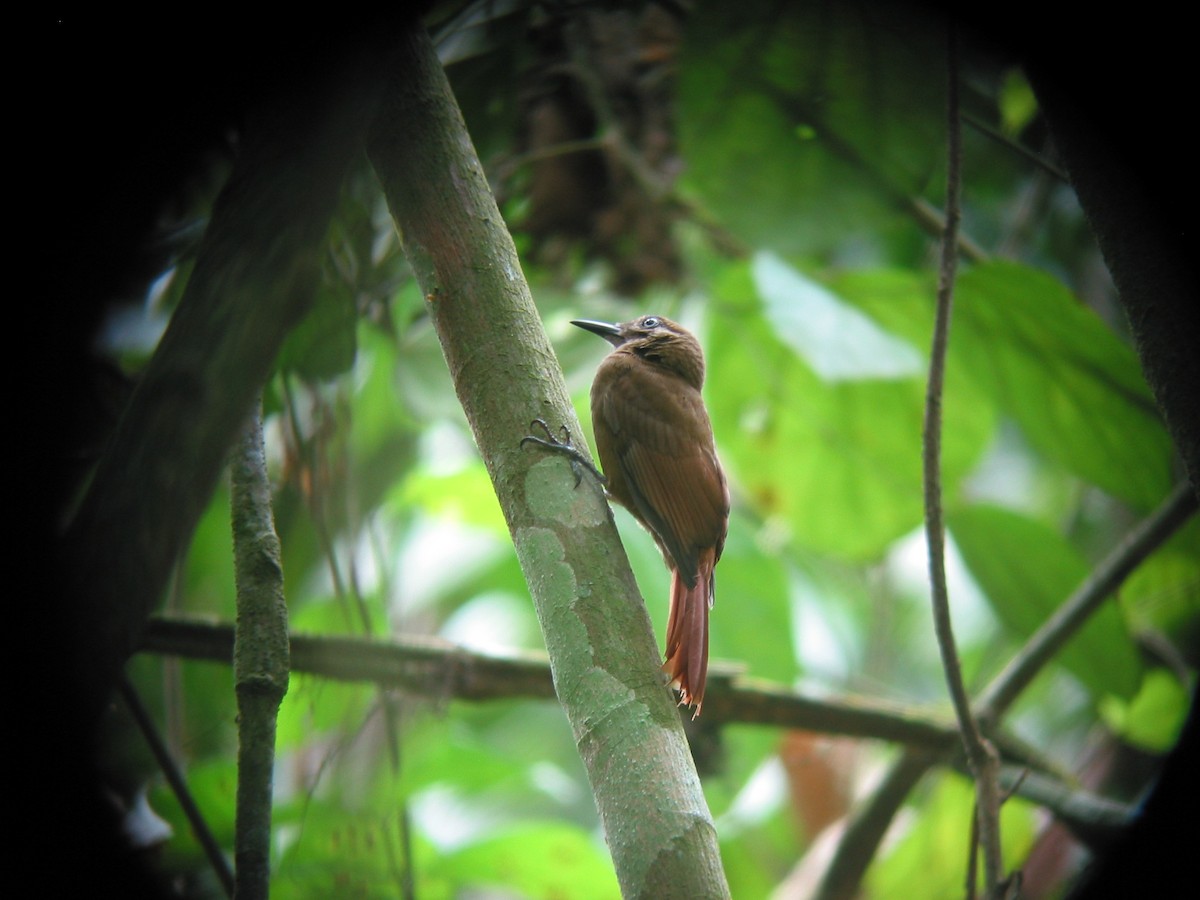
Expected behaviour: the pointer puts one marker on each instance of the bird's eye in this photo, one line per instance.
(651, 322)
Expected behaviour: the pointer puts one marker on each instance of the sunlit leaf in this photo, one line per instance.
(540, 860)
(1163, 593)
(331, 851)
(933, 852)
(751, 618)
(839, 462)
(1155, 716)
(1018, 105)
(466, 495)
(837, 341)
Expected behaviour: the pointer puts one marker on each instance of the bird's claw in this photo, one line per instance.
(563, 445)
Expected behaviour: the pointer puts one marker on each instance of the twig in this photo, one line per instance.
(1017, 147)
(204, 836)
(981, 756)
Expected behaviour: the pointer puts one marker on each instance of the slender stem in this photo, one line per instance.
(981, 757)
(204, 836)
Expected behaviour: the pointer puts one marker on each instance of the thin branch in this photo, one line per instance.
(1075, 610)
(1093, 819)
(178, 784)
(260, 656)
(981, 756)
(439, 671)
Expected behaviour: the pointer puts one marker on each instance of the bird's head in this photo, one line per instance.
(657, 340)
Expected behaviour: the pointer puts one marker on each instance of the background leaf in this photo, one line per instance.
(1027, 570)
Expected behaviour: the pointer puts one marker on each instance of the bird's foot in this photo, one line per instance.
(563, 445)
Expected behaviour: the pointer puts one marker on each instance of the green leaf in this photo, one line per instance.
(213, 786)
(537, 860)
(752, 600)
(1154, 718)
(786, 109)
(314, 706)
(933, 852)
(1018, 105)
(465, 495)
(332, 852)
(1027, 570)
(323, 345)
(836, 339)
(1163, 593)
(838, 461)
(1075, 390)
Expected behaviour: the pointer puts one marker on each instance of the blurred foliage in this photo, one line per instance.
(778, 217)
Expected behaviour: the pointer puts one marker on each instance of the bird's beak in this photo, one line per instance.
(611, 333)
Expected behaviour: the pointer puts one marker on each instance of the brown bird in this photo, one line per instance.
(655, 444)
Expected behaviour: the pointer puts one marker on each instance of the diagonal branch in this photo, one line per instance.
(1075, 610)
(175, 779)
(599, 639)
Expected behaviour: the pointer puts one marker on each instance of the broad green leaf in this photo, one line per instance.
(1027, 570)
(1075, 390)
(802, 123)
(1018, 105)
(1163, 593)
(315, 706)
(1040, 357)
(751, 617)
(466, 495)
(330, 851)
(840, 462)
(213, 786)
(837, 340)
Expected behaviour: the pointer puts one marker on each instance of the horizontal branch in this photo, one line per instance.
(427, 666)
(441, 670)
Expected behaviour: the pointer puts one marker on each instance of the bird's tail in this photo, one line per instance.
(687, 631)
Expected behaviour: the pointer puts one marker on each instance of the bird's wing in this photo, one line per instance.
(662, 442)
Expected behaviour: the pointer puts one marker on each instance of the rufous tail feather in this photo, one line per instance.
(687, 633)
